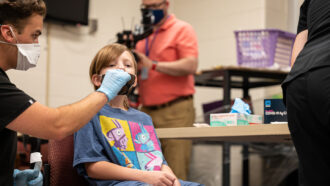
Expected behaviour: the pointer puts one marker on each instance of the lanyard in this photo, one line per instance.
(152, 42)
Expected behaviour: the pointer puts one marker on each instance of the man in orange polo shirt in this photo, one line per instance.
(168, 60)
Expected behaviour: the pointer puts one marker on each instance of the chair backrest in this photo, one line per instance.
(60, 158)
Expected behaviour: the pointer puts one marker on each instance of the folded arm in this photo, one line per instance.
(110, 171)
(181, 67)
(298, 45)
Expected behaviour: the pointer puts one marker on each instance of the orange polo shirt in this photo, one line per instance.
(174, 40)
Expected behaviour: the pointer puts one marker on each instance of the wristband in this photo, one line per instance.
(154, 65)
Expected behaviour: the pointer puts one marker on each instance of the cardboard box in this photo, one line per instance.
(228, 119)
(274, 111)
(234, 119)
(254, 119)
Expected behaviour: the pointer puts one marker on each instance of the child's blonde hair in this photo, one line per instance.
(105, 56)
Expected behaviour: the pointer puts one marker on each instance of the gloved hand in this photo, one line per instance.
(27, 177)
(112, 82)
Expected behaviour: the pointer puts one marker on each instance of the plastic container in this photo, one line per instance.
(35, 158)
(264, 48)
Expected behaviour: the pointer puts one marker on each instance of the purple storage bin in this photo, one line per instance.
(264, 48)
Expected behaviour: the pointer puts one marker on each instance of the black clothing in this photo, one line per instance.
(12, 103)
(306, 91)
(308, 107)
(314, 16)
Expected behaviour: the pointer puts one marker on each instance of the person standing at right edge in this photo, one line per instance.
(168, 59)
(306, 92)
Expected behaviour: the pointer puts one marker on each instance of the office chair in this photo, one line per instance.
(59, 171)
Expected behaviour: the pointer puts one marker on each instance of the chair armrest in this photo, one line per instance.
(46, 174)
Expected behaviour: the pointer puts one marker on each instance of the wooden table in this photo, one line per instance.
(278, 133)
(251, 133)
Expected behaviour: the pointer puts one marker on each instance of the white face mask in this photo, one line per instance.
(27, 54)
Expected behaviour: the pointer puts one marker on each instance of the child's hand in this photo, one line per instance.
(176, 183)
(159, 178)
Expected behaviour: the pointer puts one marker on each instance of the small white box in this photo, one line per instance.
(234, 119)
(254, 119)
(228, 119)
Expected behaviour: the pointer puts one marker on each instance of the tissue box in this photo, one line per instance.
(234, 119)
(228, 119)
(254, 119)
(274, 111)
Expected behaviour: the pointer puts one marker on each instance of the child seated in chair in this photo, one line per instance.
(119, 145)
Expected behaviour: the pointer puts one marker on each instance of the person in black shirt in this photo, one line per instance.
(21, 23)
(306, 93)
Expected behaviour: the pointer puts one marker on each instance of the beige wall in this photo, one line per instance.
(67, 51)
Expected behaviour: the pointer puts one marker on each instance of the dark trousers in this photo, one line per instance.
(308, 107)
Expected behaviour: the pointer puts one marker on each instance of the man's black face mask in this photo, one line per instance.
(126, 88)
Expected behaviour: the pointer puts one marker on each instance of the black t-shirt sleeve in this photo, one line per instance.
(302, 24)
(12, 101)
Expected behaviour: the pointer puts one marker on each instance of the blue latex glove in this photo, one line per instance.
(112, 82)
(27, 177)
(36, 182)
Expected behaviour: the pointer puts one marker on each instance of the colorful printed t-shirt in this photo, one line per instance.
(126, 138)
